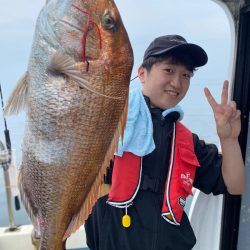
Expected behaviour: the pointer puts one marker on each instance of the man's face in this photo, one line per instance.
(165, 84)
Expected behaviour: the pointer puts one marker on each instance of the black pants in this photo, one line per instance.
(148, 230)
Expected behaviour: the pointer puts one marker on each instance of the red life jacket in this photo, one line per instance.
(127, 171)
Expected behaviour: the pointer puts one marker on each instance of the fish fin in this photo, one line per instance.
(17, 100)
(86, 208)
(64, 64)
(27, 204)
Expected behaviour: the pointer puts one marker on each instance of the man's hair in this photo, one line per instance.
(174, 58)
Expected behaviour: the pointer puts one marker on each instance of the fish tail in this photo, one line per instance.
(17, 100)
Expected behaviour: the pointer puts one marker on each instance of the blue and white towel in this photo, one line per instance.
(138, 134)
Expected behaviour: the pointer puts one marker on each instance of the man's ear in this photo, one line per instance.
(141, 74)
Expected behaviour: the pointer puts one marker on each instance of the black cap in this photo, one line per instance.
(173, 43)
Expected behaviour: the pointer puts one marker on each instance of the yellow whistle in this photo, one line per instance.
(126, 220)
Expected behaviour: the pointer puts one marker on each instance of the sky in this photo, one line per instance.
(200, 21)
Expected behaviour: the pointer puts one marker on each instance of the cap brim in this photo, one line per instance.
(198, 55)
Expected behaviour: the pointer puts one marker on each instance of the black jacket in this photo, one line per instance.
(148, 231)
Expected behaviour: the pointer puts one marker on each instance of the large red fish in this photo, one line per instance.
(75, 92)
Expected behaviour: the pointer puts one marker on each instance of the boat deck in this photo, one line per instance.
(21, 239)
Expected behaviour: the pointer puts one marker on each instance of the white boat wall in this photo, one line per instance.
(205, 215)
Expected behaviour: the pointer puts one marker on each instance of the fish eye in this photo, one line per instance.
(108, 22)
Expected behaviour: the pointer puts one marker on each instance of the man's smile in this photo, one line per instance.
(171, 92)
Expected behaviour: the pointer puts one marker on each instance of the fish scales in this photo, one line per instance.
(75, 92)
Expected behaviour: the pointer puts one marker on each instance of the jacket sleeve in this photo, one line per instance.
(208, 177)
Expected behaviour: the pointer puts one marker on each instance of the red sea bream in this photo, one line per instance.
(75, 94)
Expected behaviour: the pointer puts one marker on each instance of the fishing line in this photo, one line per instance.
(134, 78)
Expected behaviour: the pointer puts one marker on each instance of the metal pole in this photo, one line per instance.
(5, 164)
(12, 225)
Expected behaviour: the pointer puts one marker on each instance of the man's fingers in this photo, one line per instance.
(232, 104)
(227, 115)
(236, 115)
(210, 98)
(224, 93)
(230, 111)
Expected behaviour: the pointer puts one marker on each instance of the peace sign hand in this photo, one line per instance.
(227, 117)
